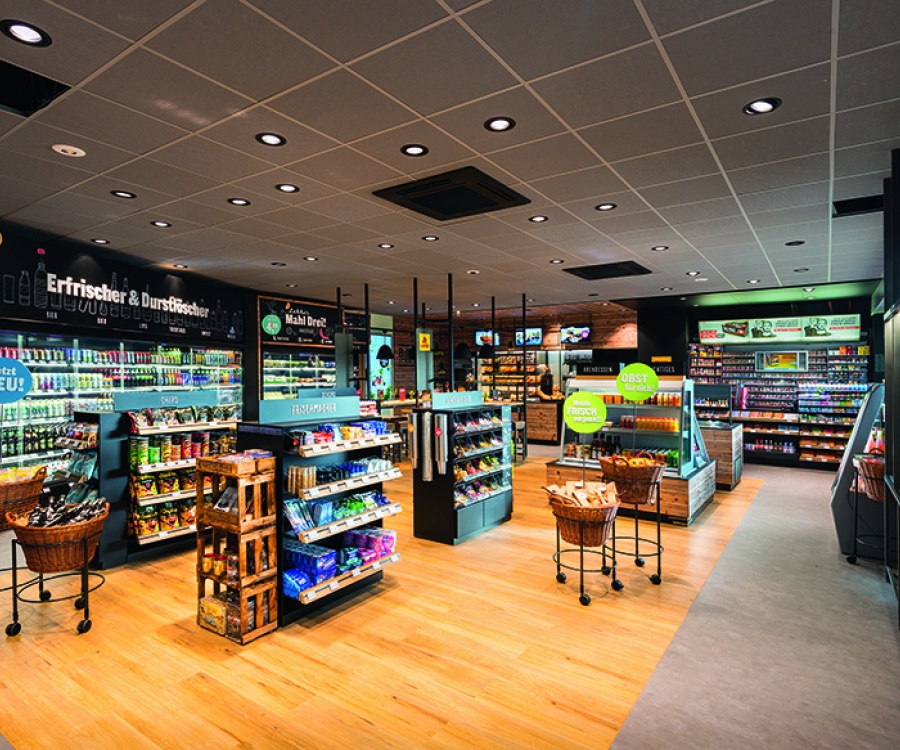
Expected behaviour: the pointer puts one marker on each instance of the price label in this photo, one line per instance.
(354, 573)
(332, 529)
(334, 585)
(162, 534)
(376, 565)
(395, 558)
(312, 535)
(310, 596)
(312, 492)
(193, 527)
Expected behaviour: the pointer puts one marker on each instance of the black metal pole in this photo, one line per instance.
(415, 309)
(450, 332)
(494, 345)
(524, 385)
(340, 312)
(365, 383)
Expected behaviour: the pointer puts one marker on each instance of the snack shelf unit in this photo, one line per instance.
(689, 481)
(713, 402)
(287, 375)
(237, 551)
(705, 363)
(462, 460)
(512, 377)
(278, 438)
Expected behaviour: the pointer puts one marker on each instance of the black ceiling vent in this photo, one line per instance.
(870, 204)
(609, 270)
(23, 92)
(453, 195)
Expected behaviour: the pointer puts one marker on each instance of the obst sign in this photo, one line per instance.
(584, 412)
(637, 382)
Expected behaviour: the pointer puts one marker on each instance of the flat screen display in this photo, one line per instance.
(484, 337)
(575, 335)
(533, 337)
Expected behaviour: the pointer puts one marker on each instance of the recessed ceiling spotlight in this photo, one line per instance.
(795, 243)
(665, 289)
(25, 33)
(123, 194)
(473, 272)
(683, 298)
(430, 238)
(659, 248)
(180, 265)
(762, 106)
(752, 281)
(271, 139)
(701, 278)
(405, 309)
(310, 258)
(604, 304)
(346, 294)
(605, 206)
(385, 245)
(530, 299)
(476, 304)
(427, 309)
(287, 187)
(160, 224)
(291, 286)
(414, 149)
(696, 304)
(73, 151)
(391, 302)
(810, 297)
(100, 241)
(239, 201)
(557, 261)
(800, 270)
(278, 263)
(537, 219)
(499, 124)
(809, 289)
(693, 273)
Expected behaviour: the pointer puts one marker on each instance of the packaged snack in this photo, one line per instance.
(207, 562)
(187, 512)
(166, 482)
(168, 517)
(187, 479)
(146, 521)
(165, 449)
(201, 413)
(143, 486)
(233, 621)
(212, 613)
(139, 419)
(139, 451)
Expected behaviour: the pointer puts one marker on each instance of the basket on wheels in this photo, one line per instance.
(56, 549)
(20, 497)
(871, 471)
(595, 522)
(635, 485)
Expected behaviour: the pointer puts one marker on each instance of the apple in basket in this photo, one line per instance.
(639, 462)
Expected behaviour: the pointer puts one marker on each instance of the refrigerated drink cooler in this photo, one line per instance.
(462, 470)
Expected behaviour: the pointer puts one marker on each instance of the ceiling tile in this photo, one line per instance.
(668, 16)
(798, 195)
(256, 228)
(304, 242)
(297, 218)
(789, 216)
(686, 191)
(60, 222)
(632, 81)
(656, 130)
(857, 187)
(347, 208)
(669, 166)
(611, 222)
(221, 40)
(544, 39)
(865, 24)
(166, 178)
(75, 203)
(53, 174)
(713, 227)
(130, 18)
(101, 187)
(36, 140)
(729, 59)
(203, 240)
(345, 168)
(872, 157)
(372, 25)
(533, 120)
(597, 182)
(701, 211)
(265, 182)
(218, 196)
(435, 70)
(857, 87)
(186, 210)
(724, 240)
(780, 174)
(210, 159)
(166, 91)
(17, 194)
(880, 122)
(390, 225)
(342, 106)
(774, 144)
(385, 147)
(585, 208)
(552, 156)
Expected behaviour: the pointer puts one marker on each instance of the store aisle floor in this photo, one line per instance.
(787, 646)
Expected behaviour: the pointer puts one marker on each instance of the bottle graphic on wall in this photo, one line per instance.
(217, 320)
(148, 313)
(126, 308)
(40, 282)
(69, 302)
(113, 306)
(239, 323)
(9, 289)
(136, 307)
(25, 289)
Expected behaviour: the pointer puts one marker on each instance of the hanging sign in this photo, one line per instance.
(424, 341)
(15, 380)
(291, 321)
(781, 330)
(584, 412)
(637, 382)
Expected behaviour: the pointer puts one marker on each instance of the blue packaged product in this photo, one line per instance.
(295, 581)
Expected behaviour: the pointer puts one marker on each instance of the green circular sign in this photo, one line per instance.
(271, 324)
(584, 412)
(637, 382)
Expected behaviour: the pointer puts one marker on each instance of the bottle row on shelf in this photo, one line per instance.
(308, 565)
(21, 441)
(165, 517)
(158, 356)
(152, 450)
(303, 515)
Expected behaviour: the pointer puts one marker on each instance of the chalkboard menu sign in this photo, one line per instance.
(292, 321)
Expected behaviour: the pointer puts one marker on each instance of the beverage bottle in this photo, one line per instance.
(25, 289)
(114, 305)
(40, 283)
(126, 307)
(148, 313)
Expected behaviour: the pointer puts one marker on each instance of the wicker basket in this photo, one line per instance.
(56, 549)
(635, 485)
(594, 522)
(20, 497)
(872, 472)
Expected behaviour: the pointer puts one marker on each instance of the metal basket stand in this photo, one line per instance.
(656, 548)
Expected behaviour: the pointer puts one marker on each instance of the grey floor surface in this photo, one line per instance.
(786, 646)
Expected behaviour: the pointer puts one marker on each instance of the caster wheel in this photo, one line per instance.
(79, 603)
(639, 561)
(84, 626)
(561, 577)
(584, 599)
(606, 570)
(655, 580)
(14, 628)
(45, 595)
(618, 585)
(852, 559)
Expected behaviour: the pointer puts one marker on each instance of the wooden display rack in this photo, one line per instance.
(253, 532)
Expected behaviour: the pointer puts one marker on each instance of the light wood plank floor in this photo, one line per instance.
(475, 646)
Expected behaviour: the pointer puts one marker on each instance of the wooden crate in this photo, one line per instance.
(726, 446)
(543, 422)
(257, 504)
(257, 553)
(210, 465)
(259, 600)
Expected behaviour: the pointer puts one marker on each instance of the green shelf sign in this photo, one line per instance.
(584, 412)
(637, 382)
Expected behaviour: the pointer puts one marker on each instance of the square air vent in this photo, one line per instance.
(609, 270)
(869, 204)
(453, 195)
(23, 92)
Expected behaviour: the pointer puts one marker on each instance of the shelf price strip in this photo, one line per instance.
(327, 587)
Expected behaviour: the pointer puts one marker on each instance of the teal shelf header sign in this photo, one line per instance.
(322, 409)
(457, 400)
(135, 400)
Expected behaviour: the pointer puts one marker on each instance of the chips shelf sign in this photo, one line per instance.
(781, 330)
